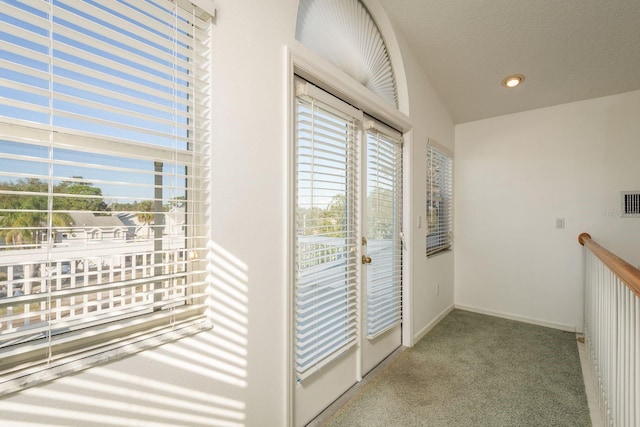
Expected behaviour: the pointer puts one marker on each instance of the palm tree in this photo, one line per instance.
(27, 201)
(23, 228)
(146, 215)
(19, 228)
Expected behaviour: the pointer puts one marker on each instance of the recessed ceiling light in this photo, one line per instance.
(512, 80)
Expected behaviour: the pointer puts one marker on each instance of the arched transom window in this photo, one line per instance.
(345, 34)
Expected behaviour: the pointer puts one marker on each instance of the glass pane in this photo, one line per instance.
(439, 192)
(79, 75)
(100, 120)
(383, 227)
(79, 222)
(325, 239)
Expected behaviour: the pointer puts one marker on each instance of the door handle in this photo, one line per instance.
(366, 259)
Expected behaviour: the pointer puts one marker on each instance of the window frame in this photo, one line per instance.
(94, 343)
(439, 198)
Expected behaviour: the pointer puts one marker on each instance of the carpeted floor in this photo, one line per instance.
(477, 370)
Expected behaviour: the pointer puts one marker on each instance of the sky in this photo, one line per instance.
(98, 79)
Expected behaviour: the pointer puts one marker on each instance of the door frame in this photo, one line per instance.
(307, 64)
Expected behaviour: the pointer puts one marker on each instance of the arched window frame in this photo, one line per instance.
(346, 34)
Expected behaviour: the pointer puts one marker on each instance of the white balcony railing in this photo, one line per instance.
(612, 332)
(82, 286)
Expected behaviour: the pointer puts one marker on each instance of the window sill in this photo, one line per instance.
(127, 346)
(439, 252)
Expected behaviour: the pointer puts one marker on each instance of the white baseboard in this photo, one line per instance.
(424, 331)
(539, 322)
(591, 385)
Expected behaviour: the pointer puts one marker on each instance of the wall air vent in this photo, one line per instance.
(630, 204)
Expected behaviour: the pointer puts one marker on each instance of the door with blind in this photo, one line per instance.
(382, 244)
(344, 321)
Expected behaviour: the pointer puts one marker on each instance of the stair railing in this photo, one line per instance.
(612, 332)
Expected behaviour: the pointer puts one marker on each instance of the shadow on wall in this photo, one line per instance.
(197, 381)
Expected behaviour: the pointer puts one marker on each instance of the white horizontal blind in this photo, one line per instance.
(384, 226)
(439, 193)
(326, 266)
(103, 176)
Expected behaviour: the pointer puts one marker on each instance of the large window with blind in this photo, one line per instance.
(326, 240)
(103, 177)
(439, 198)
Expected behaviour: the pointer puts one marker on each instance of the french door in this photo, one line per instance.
(382, 244)
(348, 251)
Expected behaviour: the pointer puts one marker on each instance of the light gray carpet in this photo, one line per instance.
(477, 370)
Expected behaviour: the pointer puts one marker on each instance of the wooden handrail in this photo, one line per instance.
(629, 275)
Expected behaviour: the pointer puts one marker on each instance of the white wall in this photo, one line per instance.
(237, 372)
(515, 175)
(430, 120)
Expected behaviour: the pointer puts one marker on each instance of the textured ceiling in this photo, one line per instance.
(568, 50)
